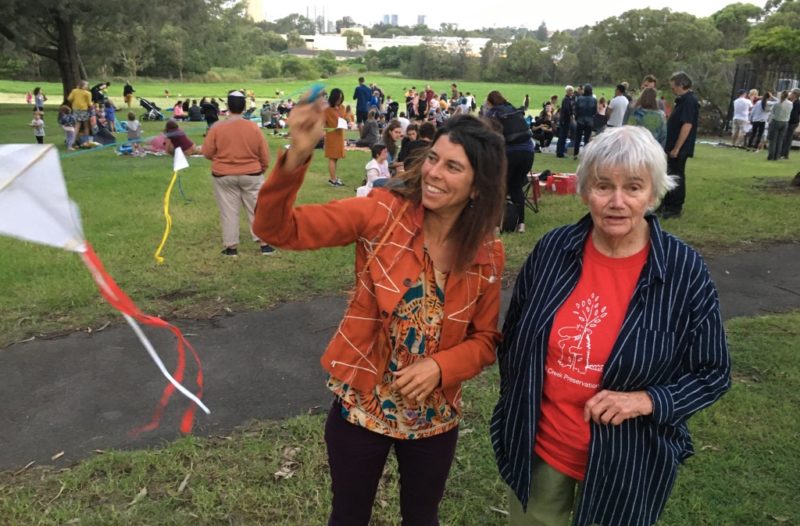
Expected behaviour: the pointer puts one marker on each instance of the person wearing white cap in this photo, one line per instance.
(239, 157)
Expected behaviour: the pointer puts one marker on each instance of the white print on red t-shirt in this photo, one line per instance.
(576, 342)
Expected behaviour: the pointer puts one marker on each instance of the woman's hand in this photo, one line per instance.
(418, 380)
(305, 129)
(614, 407)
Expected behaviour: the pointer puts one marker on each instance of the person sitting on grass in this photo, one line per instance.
(178, 139)
(134, 129)
(370, 134)
(416, 149)
(377, 170)
(177, 111)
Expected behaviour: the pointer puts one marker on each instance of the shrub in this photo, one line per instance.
(270, 68)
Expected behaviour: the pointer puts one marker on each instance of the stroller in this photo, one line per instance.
(153, 112)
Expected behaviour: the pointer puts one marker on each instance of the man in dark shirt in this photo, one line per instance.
(362, 96)
(794, 120)
(195, 113)
(566, 120)
(681, 136)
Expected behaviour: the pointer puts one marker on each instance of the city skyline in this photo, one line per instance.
(504, 13)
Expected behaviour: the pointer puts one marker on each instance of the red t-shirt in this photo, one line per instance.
(584, 331)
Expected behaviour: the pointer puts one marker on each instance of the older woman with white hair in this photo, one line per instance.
(612, 340)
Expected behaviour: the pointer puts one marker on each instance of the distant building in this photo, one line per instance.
(331, 27)
(255, 10)
(420, 20)
(338, 43)
(390, 20)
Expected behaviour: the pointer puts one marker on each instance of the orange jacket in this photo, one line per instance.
(358, 352)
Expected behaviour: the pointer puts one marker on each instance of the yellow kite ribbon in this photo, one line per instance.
(178, 164)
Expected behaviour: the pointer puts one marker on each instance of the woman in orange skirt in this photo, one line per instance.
(334, 139)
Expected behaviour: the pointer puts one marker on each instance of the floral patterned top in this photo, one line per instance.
(415, 331)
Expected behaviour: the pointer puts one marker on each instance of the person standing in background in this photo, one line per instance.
(362, 95)
(778, 124)
(617, 108)
(566, 120)
(794, 120)
(127, 94)
(38, 126)
(334, 136)
(741, 117)
(80, 99)
(239, 157)
(681, 136)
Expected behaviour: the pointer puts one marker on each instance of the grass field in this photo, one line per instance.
(44, 290)
(14, 91)
(745, 471)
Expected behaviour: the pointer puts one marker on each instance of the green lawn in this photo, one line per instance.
(744, 473)
(280, 89)
(45, 290)
(745, 470)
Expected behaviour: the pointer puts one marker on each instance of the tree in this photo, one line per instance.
(326, 63)
(648, 41)
(345, 23)
(294, 22)
(136, 52)
(299, 68)
(294, 40)
(490, 61)
(734, 21)
(777, 45)
(524, 60)
(270, 68)
(274, 41)
(542, 33)
(354, 39)
(47, 29)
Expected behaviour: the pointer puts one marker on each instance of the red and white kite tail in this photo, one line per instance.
(120, 301)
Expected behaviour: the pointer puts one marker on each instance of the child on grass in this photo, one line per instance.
(67, 121)
(135, 134)
(38, 126)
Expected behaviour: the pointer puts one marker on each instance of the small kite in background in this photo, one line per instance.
(34, 206)
(179, 163)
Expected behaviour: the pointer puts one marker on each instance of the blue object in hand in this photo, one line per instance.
(316, 90)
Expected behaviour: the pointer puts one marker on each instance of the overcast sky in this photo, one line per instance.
(559, 15)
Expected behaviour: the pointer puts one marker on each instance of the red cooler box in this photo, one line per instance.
(563, 183)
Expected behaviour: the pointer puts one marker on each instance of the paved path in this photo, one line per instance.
(86, 392)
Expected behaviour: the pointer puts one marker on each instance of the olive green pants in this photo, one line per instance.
(553, 497)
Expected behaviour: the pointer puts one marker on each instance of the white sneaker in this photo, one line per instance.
(521, 228)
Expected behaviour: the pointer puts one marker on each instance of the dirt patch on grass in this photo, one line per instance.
(777, 185)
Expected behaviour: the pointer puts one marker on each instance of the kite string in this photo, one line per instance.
(167, 218)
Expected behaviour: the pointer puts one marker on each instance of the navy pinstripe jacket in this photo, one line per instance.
(671, 343)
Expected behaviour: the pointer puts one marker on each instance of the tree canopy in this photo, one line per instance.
(73, 39)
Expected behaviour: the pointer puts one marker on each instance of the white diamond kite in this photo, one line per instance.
(34, 206)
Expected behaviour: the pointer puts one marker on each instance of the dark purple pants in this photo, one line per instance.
(357, 456)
